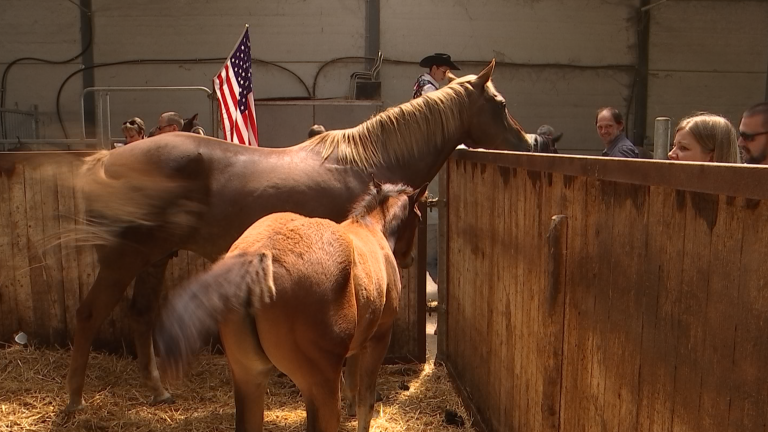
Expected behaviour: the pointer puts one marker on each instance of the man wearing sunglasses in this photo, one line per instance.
(753, 134)
(438, 64)
(169, 122)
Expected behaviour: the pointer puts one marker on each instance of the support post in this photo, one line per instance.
(442, 264)
(86, 32)
(661, 137)
(641, 75)
(372, 31)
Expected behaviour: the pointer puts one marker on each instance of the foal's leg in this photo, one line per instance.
(351, 384)
(250, 370)
(144, 309)
(117, 267)
(322, 396)
(370, 361)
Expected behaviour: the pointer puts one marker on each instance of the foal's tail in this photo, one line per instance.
(237, 284)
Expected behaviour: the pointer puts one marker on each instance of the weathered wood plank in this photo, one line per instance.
(504, 252)
(575, 354)
(624, 330)
(602, 202)
(9, 322)
(41, 301)
(21, 280)
(721, 316)
(69, 269)
(472, 296)
(701, 212)
(748, 378)
(652, 365)
(52, 255)
(498, 252)
(552, 315)
(487, 233)
(541, 349)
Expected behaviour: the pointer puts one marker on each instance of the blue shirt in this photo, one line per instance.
(621, 147)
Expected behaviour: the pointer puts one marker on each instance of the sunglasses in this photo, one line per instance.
(131, 122)
(748, 137)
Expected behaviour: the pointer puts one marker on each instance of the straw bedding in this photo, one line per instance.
(32, 394)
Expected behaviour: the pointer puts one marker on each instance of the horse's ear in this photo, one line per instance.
(485, 75)
(450, 77)
(193, 118)
(376, 184)
(419, 194)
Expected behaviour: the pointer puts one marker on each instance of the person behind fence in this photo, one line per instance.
(133, 130)
(753, 134)
(610, 128)
(438, 64)
(169, 122)
(705, 137)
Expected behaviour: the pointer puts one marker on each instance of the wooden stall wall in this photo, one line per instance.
(44, 275)
(641, 307)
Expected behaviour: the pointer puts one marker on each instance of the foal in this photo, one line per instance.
(302, 294)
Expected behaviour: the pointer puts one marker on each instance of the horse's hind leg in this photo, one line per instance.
(144, 308)
(369, 364)
(117, 268)
(351, 384)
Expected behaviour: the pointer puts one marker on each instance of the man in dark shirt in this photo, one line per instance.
(610, 127)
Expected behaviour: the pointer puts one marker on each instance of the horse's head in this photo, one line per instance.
(490, 125)
(191, 125)
(395, 210)
(406, 232)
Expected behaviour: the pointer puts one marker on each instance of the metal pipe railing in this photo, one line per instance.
(107, 90)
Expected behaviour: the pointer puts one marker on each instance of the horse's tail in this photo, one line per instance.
(139, 197)
(237, 284)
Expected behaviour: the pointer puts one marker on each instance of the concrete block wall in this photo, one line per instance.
(558, 60)
(706, 56)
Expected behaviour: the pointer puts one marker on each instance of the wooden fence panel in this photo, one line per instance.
(44, 275)
(9, 320)
(506, 332)
(645, 310)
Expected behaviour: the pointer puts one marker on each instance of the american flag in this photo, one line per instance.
(234, 87)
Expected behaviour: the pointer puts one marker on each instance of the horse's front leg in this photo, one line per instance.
(116, 269)
(370, 361)
(144, 309)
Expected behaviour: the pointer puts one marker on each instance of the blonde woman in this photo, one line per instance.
(705, 137)
(133, 130)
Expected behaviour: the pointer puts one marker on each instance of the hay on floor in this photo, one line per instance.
(32, 395)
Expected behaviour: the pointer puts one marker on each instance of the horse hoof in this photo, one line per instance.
(72, 407)
(164, 400)
(351, 412)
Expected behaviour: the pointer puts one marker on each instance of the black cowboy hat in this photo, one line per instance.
(438, 59)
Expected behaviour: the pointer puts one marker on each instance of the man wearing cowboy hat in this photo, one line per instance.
(438, 64)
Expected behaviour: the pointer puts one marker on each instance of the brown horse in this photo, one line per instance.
(185, 191)
(302, 294)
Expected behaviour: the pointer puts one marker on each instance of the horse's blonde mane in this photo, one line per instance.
(402, 132)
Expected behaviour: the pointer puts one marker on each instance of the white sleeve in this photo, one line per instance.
(428, 88)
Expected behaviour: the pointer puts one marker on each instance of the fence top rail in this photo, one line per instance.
(737, 180)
